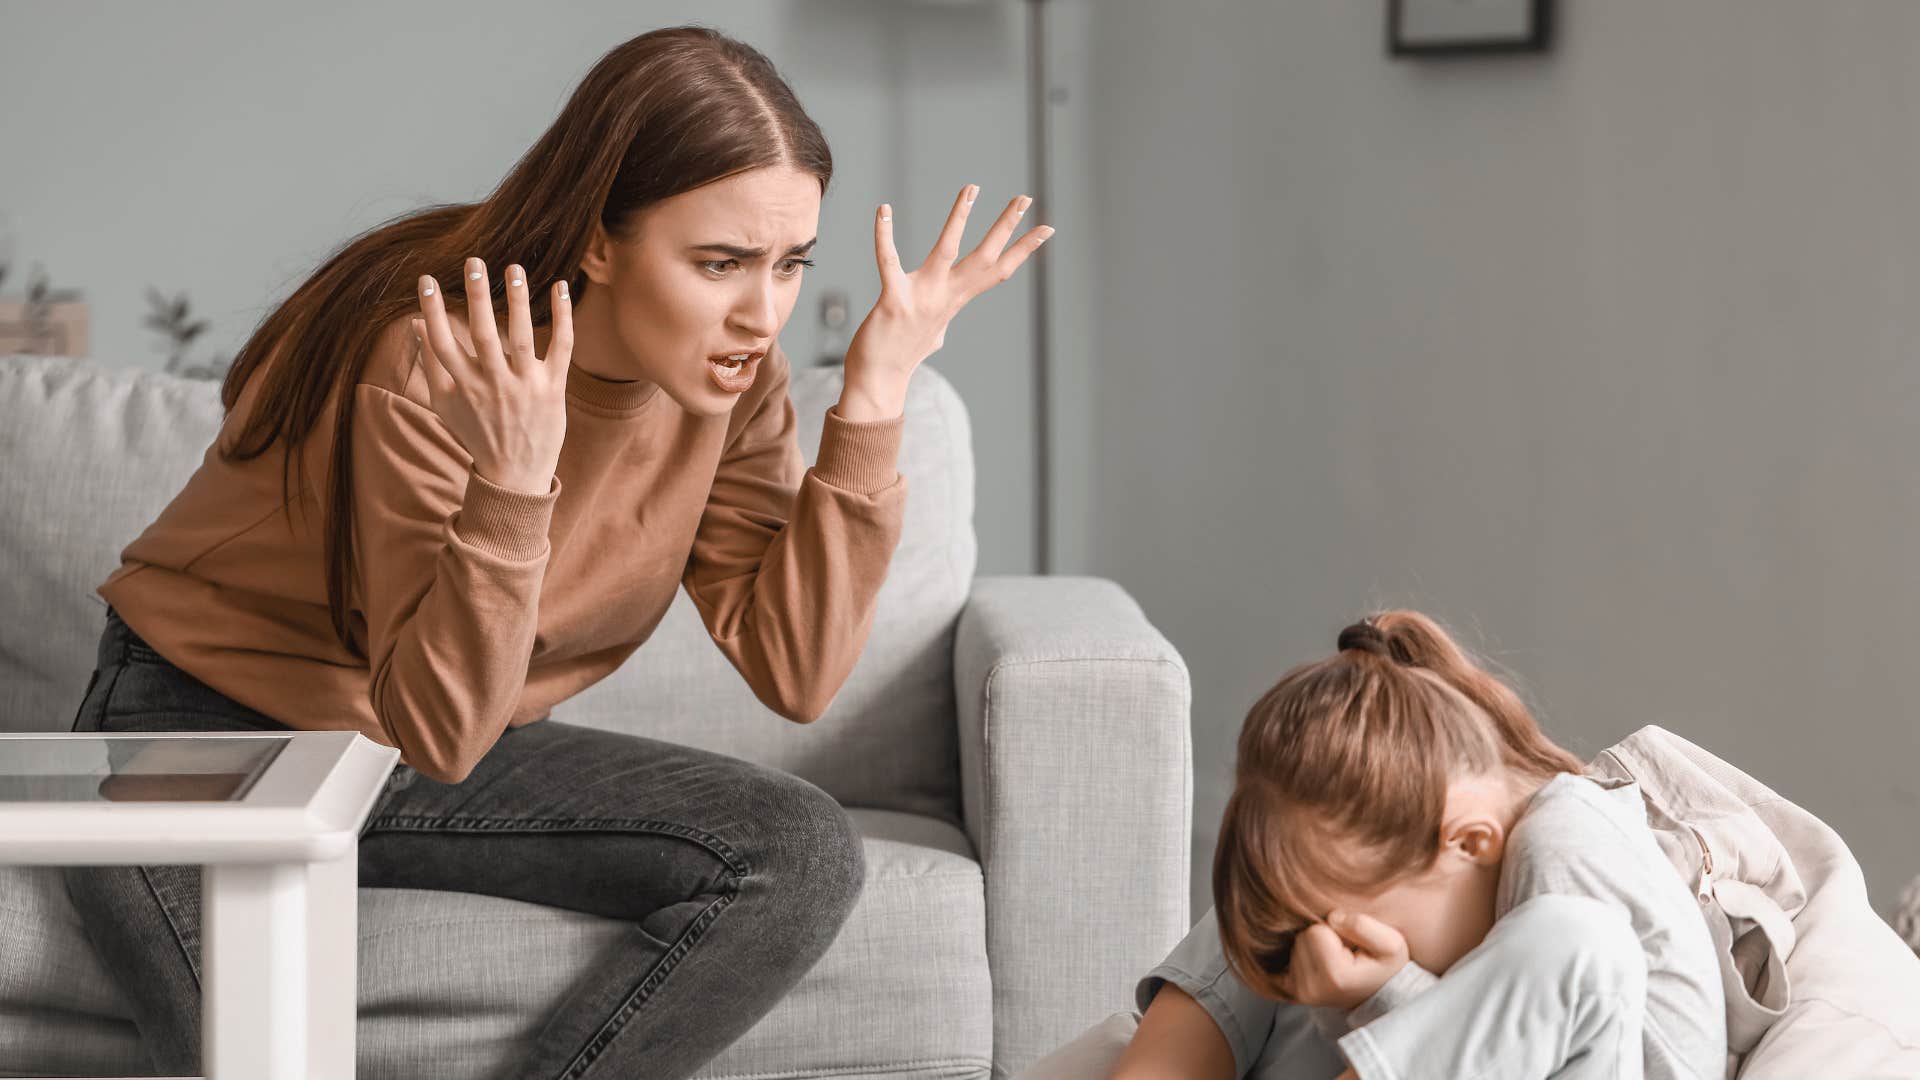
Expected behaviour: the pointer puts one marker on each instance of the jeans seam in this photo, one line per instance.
(197, 714)
(106, 698)
(641, 993)
(146, 878)
(737, 867)
(80, 713)
(414, 823)
(136, 651)
(166, 912)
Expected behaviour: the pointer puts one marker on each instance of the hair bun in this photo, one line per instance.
(1367, 638)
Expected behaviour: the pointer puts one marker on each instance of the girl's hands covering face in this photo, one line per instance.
(1344, 961)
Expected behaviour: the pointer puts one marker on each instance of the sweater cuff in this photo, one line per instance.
(499, 521)
(1331, 1021)
(859, 456)
(1358, 1047)
(1406, 984)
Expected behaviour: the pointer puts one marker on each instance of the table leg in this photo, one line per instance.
(254, 958)
(333, 956)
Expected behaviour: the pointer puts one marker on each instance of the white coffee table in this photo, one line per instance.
(274, 820)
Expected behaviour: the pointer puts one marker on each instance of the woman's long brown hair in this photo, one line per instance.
(664, 113)
(1342, 775)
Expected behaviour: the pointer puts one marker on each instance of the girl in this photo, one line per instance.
(1406, 855)
(433, 525)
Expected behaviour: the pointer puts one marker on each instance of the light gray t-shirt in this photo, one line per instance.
(1577, 836)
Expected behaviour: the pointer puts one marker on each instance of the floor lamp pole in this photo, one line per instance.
(1037, 91)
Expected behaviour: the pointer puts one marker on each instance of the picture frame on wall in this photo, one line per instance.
(1466, 27)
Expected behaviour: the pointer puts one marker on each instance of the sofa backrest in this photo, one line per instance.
(89, 454)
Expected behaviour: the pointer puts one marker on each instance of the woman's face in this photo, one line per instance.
(707, 275)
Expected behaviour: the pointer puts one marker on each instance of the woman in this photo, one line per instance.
(433, 525)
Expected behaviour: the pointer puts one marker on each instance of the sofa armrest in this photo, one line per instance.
(1076, 769)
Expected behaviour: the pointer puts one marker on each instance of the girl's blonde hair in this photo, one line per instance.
(1342, 779)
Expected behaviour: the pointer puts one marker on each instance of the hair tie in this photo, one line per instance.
(1366, 637)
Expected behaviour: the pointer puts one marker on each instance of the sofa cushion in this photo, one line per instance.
(89, 454)
(451, 984)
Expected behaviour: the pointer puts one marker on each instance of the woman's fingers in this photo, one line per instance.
(480, 326)
(1016, 256)
(560, 345)
(947, 248)
(440, 340)
(884, 253)
(455, 362)
(995, 241)
(519, 320)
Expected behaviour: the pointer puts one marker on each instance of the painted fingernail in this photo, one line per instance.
(886, 212)
(426, 286)
(1046, 233)
(1020, 205)
(514, 278)
(563, 290)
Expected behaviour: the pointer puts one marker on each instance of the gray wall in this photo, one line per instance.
(1607, 358)
(1604, 357)
(225, 148)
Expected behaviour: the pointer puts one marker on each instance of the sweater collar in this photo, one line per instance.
(607, 394)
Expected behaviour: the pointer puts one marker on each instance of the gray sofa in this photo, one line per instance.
(1014, 749)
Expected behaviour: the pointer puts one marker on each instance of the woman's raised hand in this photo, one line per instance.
(507, 406)
(909, 323)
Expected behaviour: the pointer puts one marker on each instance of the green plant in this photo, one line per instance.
(173, 320)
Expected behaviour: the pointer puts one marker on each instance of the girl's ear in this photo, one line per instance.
(1476, 838)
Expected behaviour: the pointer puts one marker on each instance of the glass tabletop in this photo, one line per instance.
(159, 768)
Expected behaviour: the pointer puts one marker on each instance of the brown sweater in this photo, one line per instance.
(479, 607)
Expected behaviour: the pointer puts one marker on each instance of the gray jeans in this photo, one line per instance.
(735, 878)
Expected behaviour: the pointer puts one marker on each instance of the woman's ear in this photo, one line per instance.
(599, 256)
(1476, 838)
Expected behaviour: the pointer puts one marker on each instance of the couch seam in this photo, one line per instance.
(441, 924)
(891, 878)
(516, 920)
(1101, 658)
(954, 516)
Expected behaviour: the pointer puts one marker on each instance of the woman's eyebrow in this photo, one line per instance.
(739, 252)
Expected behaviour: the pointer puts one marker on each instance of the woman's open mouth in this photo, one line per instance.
(733, 374)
